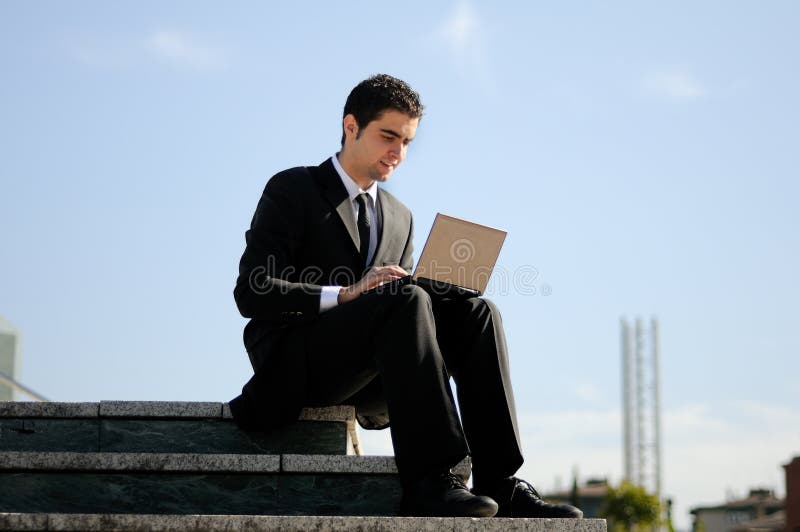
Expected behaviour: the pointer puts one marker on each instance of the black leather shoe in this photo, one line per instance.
(444, 495)
(517, 498)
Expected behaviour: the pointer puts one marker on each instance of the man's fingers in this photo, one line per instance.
(379, 275)
(393, 271)
(396, 271)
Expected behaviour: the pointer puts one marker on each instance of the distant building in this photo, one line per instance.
(792, 470)
(760, 510)
(9, 346)
(771, 523)
(590, 497)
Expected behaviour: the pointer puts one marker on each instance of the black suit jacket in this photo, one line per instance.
(303, 236)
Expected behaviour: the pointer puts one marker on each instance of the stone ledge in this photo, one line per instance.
(153, 409)
(161, 409)
(320, 463)
(14, 521)
(145, 435)
(92, 522)
(31, 409)
(205, 463)
(343, 413)
(167, 410)
(348, 464)
(139, 462)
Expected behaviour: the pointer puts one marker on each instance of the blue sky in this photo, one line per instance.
(641, 155)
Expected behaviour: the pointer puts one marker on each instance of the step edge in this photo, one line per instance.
(109, 409)
(56, 521)
(138, 462)
(63, 461)
(338, 464)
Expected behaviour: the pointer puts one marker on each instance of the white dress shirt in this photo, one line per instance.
(329, 297)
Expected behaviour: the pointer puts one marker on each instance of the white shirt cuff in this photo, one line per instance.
(329, 297)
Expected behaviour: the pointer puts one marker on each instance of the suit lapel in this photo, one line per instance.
(336, 195)
(386, 240)
(393, 232)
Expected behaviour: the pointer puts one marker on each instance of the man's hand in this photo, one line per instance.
(374, 277)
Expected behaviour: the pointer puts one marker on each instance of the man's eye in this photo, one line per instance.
(388, 138)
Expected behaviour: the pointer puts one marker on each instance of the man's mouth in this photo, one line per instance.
(387, 165)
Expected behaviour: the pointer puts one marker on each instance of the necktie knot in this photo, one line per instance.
(363, 209)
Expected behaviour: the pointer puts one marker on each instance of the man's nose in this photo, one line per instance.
(397, 150)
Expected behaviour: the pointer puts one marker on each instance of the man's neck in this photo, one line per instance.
(363, 182)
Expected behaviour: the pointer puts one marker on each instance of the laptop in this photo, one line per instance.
(457, 260)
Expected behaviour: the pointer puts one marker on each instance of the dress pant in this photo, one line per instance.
(395, 352)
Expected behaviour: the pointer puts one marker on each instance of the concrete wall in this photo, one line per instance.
(9, 344)
(793, 495)
(713, 520)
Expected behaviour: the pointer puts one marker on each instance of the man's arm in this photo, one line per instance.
(407, 258)
(264, 289)
(382, 274)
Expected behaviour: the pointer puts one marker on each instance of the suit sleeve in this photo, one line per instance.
(407, 258)
(267, 287)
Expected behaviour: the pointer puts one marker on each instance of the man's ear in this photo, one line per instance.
(350, 126)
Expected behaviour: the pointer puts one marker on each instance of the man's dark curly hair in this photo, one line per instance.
(370, 98)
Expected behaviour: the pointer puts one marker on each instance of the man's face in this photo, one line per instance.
(381, 145)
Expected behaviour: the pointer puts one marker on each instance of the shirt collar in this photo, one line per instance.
(353, 190)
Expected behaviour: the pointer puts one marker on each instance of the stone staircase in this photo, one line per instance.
(186, 466)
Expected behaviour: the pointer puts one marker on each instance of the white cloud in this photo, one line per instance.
(727, 450)
(587, 392)
(707, 451)
(556, 442)
(675, 85)
(172, 46)
(770, 415)
(462, 29)
(180, 48)
(689, 420)
(464, 35)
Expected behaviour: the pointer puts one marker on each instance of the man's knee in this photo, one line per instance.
(492, 308)
(479, 308)
(409, 300)
(413, 292)
(416, 303)
(409, 295)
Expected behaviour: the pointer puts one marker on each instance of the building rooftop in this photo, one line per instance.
(7, 327)
(597, 487)
(757, 498)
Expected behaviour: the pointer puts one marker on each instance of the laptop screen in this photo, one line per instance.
(460, 253)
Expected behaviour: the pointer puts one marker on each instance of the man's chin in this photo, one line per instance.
(381, 177)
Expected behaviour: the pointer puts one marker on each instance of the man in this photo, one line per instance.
(322, 238)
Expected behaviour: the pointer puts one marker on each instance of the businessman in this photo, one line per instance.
(322, 239)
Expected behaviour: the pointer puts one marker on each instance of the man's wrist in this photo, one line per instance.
(344, 293)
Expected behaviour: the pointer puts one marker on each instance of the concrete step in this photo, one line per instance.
(162, 483)
(168, 427)
(136, 522)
